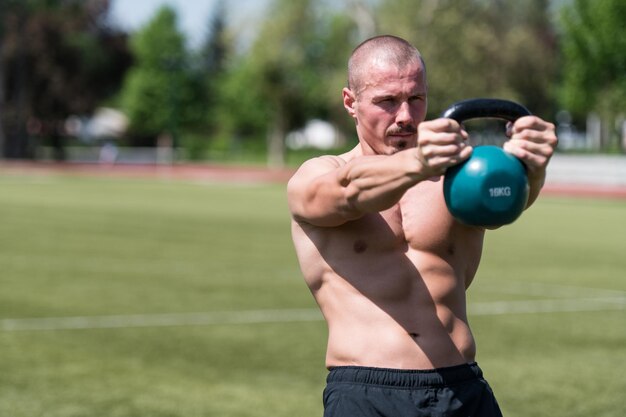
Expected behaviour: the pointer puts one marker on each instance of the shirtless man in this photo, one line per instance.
(384, 259)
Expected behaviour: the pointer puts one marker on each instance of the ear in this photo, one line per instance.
(349, 101)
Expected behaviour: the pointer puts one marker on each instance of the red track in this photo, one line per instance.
(204, 172)
(226, 173)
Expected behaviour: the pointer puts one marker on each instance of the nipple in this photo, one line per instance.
(359, 246)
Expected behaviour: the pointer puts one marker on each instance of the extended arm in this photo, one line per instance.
(329, 191)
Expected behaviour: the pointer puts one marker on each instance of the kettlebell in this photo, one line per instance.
(490, 188)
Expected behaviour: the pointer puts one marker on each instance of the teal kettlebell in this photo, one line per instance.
(491, 187)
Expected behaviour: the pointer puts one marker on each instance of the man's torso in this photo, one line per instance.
(391, 285)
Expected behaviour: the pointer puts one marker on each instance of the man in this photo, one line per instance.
(381, 254)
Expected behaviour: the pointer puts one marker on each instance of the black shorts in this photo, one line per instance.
(354, 391)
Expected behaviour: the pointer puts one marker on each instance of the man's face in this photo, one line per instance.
(388, 107)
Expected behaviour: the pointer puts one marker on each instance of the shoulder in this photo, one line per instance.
(314, 168)
(324, 162)
(314, 191)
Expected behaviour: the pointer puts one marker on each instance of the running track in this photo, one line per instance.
(228, 173)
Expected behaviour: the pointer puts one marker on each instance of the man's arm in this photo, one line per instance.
(328, 191)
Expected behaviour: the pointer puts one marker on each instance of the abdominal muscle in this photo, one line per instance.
(422, 326)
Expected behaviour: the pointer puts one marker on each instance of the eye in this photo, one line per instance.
(385, 102)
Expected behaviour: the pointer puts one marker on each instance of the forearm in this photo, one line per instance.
(376, 183)
(535, 184)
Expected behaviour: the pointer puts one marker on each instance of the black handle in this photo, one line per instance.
(477, 108)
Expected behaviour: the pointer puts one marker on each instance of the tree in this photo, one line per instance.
(594, 61)
(287, 75)
(529, 48)
(216, 47)
(281, 57)
(479, 48)
(59, 57)
(213, 58)
(156, 90)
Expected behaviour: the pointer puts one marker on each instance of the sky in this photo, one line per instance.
(193, 15)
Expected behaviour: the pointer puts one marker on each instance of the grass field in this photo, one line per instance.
(162, 299)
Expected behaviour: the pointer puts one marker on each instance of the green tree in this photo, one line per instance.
(241, 110)
(157, 89)
(479, 48)
(211, 66)
(207, 121)
(530, 54)
(288, 74)
(594, 61)
(217, 46)
(338, 34)
(57, 58)
(282, 56)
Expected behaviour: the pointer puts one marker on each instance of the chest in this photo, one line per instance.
(420, 221)
(426, 222)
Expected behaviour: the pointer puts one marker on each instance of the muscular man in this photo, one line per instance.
(384, 259)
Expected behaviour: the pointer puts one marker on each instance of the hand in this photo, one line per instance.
(441, 143)
(533, 141)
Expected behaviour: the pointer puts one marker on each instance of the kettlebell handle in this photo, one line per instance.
(477, 108)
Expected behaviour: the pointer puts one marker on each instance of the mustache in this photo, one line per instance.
(410, 129)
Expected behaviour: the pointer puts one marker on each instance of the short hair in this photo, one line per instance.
(387, 48)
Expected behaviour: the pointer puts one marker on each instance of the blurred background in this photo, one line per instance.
(120, 81)
(163, 295)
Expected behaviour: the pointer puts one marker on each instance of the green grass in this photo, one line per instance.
(97, 247)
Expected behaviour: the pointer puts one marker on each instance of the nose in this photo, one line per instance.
(403, 116)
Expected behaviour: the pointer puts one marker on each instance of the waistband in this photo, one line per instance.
(405, 378)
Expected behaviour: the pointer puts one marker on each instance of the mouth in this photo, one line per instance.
(401, 137)
(404, 132)
(407, 130)
(400, 142)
